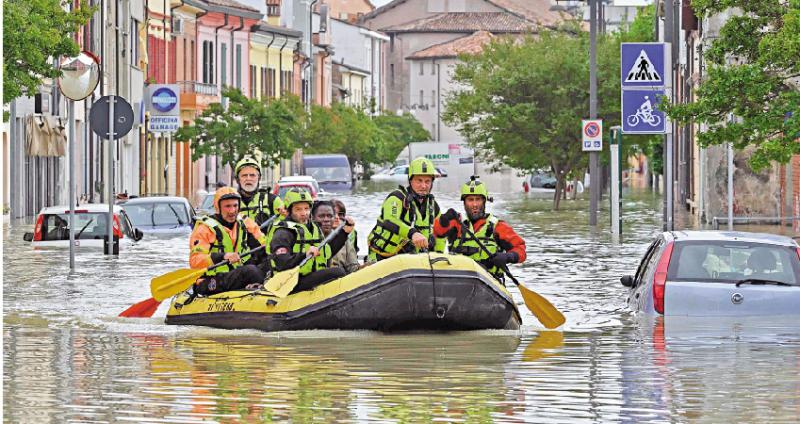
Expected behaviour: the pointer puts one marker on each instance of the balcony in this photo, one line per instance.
(197, 95)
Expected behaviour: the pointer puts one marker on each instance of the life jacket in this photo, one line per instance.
(224, 244)
(385, 239)
(260, 208)
(303, 240)
(468, 247)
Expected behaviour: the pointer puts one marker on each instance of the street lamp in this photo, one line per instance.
(79, 77)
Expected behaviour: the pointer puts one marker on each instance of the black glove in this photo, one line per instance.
(501, 259)
(448, 216)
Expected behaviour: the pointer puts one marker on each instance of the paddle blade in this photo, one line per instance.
(143, 309)
(544, 311)
(174, 282)
(282, 283)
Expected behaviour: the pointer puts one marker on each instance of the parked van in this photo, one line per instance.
(332, 171)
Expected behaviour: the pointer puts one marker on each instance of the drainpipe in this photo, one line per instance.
(269, 46)
(216, 45)
(233, 50)
(280, 64)
(311, 51)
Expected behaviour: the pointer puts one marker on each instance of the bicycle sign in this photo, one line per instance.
(640, 114)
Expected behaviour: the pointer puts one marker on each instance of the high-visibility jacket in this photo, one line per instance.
(261, 206)
(495, 234)
(210, 241)
(401, 217)
(304, 238)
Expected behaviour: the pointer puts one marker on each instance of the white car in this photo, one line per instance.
(52, 227)
(302, 181)
(400, 174)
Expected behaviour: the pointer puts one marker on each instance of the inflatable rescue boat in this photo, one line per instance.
(404, 293)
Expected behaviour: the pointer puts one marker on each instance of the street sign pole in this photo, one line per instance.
(594, 177)
(616, 181)
(109, 245)
(71, 147)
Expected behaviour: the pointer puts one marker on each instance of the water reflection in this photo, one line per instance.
(68, 358)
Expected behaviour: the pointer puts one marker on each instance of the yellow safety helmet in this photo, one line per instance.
(224, 193)
(247, 161)
(474, 187)
(297, 195)
(421, 166)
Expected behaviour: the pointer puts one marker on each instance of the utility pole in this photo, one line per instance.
(669, 208)
(594, 174)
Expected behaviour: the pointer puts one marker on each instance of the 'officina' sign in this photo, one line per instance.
(163, 103)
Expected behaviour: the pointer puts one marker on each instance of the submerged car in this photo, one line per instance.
(91, 227)
(717, 273)
(400, 174)
(300, 181)
(206, 205)
(161, 215)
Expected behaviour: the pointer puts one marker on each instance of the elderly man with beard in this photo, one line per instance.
(258, 205)
(502, 242)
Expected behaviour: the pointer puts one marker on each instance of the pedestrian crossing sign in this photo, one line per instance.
(643, 70)
(644, 65)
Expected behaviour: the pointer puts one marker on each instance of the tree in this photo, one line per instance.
(365, 140)
(754, 75)
(247, 127)
(524, 101)
(35, 32)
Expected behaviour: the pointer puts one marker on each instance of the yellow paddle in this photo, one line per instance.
(540, 307)
(282, 283)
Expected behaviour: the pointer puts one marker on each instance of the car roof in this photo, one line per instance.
(692, 235)
(88, 207)
(296, 178)
(155, 199)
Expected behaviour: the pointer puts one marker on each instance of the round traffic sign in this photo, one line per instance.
(164, 99)
(591, 130)
(123, 117)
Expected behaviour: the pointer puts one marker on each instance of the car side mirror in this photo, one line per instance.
(137, 234)
(626, 280)
(27, 236)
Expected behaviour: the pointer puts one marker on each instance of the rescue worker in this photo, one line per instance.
(406, 221)
(504, 245)
(297, 237)
(258, 204)
(220, 237)
(323, 215)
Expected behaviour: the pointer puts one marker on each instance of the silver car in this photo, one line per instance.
(717, 273)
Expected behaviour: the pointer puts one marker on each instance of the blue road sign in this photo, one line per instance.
(640, 114)
(642, 65)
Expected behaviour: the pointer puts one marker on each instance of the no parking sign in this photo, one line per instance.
(592, 135)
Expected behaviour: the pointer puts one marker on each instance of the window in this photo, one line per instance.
(134, 43)
(208, 62)
(191, 60)
(239, 66)
(422, 68)
(263, 82)
(253, 77)
(223, 62)
(273, 10)
(186, 64)
(391, 74)
(286, 82)
(421, 97)
(433, 98)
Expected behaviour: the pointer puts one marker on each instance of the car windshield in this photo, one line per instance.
(329, 174)
(725, 261)
(87, 226)
(208, 202)
(157, 214)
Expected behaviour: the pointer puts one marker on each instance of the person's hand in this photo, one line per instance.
(349, 224)
(419, 241)
(232, 257)
(312, 251)
(501, 259)
(448, 216)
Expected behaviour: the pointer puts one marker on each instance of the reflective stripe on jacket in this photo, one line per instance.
(400, 218)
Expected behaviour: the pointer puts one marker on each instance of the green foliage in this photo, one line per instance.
(365, 140)
(249, 125)
(754, 74)
(34, 33)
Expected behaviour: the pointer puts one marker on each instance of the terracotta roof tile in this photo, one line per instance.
(471, 44)
(466, 22)
(232, 4)
(534, 10)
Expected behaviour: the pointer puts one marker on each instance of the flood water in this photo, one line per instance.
(67, 357)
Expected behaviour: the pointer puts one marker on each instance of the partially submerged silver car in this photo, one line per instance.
(717, 273)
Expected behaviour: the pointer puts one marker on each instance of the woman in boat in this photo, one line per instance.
(297, 237)
(324, 215)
